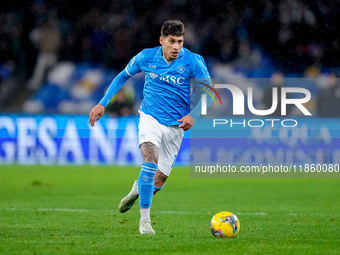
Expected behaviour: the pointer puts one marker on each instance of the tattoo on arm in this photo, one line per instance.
(149, 152)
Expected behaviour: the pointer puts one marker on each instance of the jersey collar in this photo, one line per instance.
(160, 54)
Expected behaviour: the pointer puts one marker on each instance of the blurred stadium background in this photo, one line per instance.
(57, 58)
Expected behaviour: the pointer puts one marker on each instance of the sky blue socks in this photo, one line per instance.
(146, 184)
(156, 189)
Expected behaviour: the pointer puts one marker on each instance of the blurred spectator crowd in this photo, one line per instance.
(298, 37)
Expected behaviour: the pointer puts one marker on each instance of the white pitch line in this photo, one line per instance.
(53, 210)
(161, 212)
(210, 213)
(313, 214)
(113, 211)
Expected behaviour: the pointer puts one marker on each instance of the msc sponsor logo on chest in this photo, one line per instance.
(168, 78)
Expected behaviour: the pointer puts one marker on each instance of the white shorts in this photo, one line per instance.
(168, 139)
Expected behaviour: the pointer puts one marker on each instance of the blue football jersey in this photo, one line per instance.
(167, 85)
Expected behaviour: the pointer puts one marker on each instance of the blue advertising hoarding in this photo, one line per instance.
(266, 140)
(68, 139)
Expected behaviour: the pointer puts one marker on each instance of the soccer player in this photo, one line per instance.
(164, 113)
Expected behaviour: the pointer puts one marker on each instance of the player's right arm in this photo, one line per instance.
(131, 69)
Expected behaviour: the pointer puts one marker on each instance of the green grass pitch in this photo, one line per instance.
(73, 210)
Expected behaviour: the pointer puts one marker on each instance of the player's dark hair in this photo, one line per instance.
(172, 27)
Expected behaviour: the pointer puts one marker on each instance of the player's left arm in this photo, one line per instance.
(201, 74)
(187, 122)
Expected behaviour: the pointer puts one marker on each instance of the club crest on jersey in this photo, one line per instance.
(181, 69)
(153, 75)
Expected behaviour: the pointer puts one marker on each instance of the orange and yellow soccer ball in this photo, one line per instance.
(225, 225)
